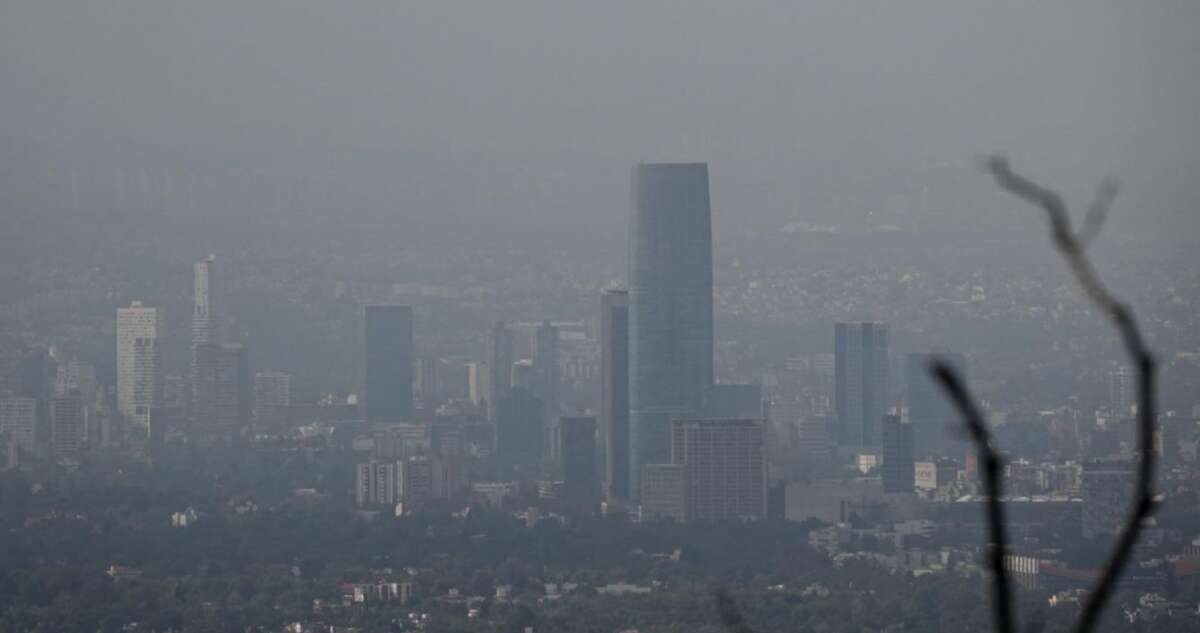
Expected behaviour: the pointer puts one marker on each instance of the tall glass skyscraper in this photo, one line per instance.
(614, 391)
(670, 306)
(860, 381)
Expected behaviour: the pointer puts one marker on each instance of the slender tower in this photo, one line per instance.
(500, 362)
(205, 317)
(670, 306)
(546, 381)
(614, 388)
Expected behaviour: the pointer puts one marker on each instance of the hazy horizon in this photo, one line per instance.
(857, 114)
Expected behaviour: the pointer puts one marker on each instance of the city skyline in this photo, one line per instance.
(614, 317)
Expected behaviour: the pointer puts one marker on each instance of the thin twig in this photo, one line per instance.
(1097, 212)
(957, 391)
(1072, 247)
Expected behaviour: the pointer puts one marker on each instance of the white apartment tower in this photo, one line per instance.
(206, 322)
(139, 361)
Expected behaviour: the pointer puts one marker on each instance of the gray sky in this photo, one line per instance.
(825, 110)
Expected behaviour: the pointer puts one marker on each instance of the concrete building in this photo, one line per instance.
(376, 483)
(18, 420)
(860, 381)
(898, 471)
(1107, 491)
(813, 441)
(388, 352)
(221, 390)
(79, 378)
(66, 426)
(663, 492)
(614, 391)
(670, 306)
(1122, 390)
(725, 468)
(140, 330)
(412, 480)
(272, 398)
(929, 475)
(416, 477)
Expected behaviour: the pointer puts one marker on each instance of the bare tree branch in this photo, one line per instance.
(957, 391)
(1072, 247)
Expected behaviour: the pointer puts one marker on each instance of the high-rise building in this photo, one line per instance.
(581, 489)
(614, 391)
(860, 381)
(416, 480)
(66, 426)
(670, 306)
(140, 330)
(500, 362)
(929, 410)
(812, 439)
(79, 378)
(221, 389)
(663, 492)
(18, 418)
(206, 317)
(388, 350)
(376, 483)
(272, 397)
(413, 480)
(725, 468)
(522, 375)
(1122, 390)
(478, 383)
(898, 470)
(1107, 491)
(519, 428)
(35, 377)
(546, 381)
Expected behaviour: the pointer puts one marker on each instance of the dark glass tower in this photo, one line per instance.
(519, 435)
(614, 391)
(388, 350)
(670, 306)
(860, 381)
(898, 473)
